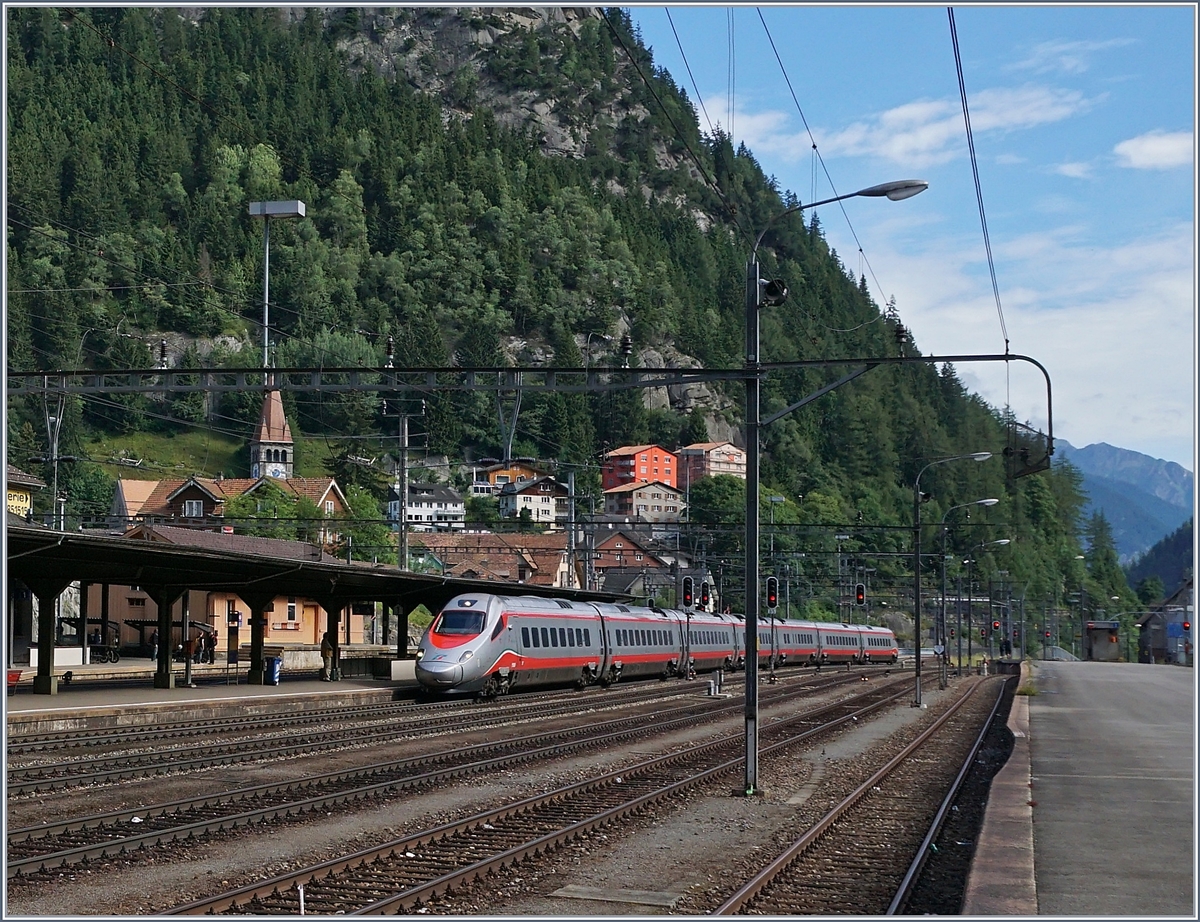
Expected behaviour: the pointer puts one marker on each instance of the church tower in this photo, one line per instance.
(272, 453)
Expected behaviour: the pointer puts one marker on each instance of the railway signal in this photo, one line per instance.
(983, 633)
(860, 594)
(704, 596)
(687, 592)
(772, 592)
(1187, 625)
(995, 625)
(1047, 634)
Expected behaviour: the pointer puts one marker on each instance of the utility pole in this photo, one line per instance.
(570, 529)
(402, 477)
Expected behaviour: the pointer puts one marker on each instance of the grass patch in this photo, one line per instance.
(195, 451)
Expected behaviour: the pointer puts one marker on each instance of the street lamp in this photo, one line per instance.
(772, 294)
(973, 456)
(267, 211)
(942, 622)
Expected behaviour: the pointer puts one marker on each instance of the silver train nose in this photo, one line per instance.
(439, 673)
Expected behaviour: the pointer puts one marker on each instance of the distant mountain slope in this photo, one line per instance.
(1143, 498)
(1169, 559)
(1167, 480)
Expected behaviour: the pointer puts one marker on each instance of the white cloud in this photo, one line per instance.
(1156, 150)
(925, 132)
(1065, 57)
(1113, 325)
(1074, 170)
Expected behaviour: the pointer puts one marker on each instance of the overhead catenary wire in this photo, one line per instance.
(680, 136)
(962, 89)
(841, 205)
(695, 87)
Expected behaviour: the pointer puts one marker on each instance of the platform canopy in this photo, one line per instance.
(40, 555)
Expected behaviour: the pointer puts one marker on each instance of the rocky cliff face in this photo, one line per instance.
(463, 56)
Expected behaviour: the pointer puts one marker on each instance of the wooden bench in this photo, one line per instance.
(14, 676)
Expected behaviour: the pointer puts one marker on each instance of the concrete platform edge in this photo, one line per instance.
(1002, 880)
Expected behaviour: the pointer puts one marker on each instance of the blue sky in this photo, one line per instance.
(1083, 120)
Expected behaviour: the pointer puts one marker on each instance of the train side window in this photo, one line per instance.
(562, 635)
(579, 636)
(498, 628)
(570, 636)
(587, 636)
(535, 638)
(525, 637)
(553, 637)
(545, 638)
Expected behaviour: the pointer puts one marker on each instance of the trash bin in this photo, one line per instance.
(271, 668)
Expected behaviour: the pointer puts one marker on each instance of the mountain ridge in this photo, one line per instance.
(1144, 498)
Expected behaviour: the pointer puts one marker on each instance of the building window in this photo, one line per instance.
(291, 608)
(193, 508)
(329, 507)
(136, 603)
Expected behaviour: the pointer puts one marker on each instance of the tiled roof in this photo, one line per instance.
(220, 541)
(157, 502)
(500, 557)
(631, 450)
(705, 446)
(273, 424)
(18, 476)
(525, 486)
(642, 485)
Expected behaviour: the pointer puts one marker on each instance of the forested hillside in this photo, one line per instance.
(486, 188)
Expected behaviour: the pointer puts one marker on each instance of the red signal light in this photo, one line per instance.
(995, 625)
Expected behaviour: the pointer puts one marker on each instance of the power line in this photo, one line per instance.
(962, 89)
(816, 151)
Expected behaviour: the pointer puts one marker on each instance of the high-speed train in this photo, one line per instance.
(489, 644)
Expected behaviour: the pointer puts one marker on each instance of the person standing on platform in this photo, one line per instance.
(326, 657)
(154, 644)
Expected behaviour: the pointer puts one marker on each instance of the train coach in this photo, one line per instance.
(489, 644)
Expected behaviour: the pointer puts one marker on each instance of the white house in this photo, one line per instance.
(545, 498)
(431, 507)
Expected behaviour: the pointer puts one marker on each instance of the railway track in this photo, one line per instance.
(134, 754)
(406, 873)
(859, 857)
(49, 845)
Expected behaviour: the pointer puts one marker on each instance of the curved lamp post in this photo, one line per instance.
(772, 294)
(942, 619)
(973, 456)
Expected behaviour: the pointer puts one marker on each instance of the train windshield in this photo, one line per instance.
(459, 622)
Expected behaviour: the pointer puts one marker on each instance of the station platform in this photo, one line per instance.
(122, 694)
(1094, 813)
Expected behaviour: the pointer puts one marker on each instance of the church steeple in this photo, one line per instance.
(272, 453)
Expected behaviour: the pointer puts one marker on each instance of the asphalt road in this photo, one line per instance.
(1113, 765)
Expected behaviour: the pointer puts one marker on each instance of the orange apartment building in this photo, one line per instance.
(639, 464)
